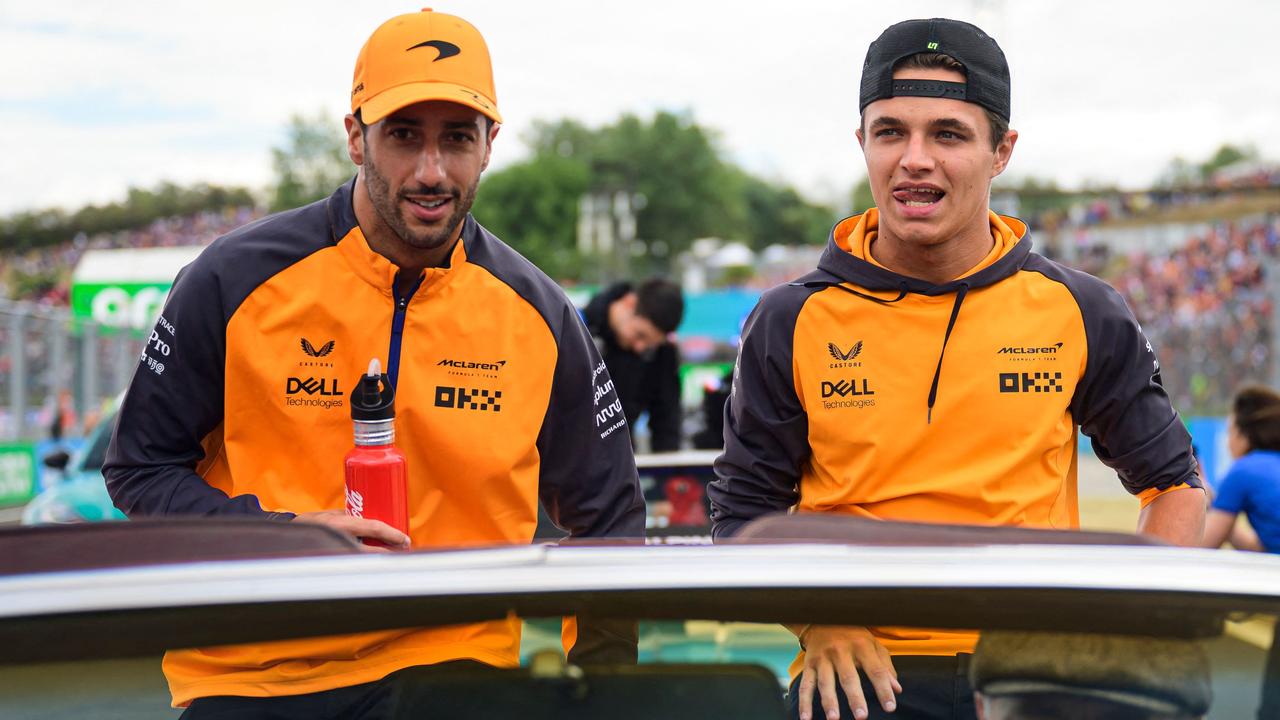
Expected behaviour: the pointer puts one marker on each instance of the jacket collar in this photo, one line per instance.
(839, 262)
(370, 266)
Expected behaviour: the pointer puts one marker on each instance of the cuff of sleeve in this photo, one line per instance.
(1148, 496)
(282, 516)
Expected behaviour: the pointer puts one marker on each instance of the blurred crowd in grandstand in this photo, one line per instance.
(1201, 296)
(1207, 308)
(42, 275)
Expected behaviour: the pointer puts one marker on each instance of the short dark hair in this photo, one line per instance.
(488, 122)
(660, 302)
(934, 61)
(1256, 414)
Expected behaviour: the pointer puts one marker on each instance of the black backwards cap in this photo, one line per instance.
(986, 72)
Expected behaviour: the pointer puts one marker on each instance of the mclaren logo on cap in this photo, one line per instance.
(446, 49)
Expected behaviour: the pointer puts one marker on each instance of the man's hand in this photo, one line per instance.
(834, 653)
(357, 528)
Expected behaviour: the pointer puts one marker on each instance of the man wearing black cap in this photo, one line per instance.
(933, 368)
(632, 326)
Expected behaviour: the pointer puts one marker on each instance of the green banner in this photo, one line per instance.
(133, 306)
(17, 473)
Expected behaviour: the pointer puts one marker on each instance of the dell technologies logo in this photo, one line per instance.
(851, 393)
(323, 393)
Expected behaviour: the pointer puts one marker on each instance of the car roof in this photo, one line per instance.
(284, 580)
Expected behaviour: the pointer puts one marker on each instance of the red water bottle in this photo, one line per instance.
(376, 480)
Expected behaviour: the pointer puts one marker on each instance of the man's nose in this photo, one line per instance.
(430, 168)
(916, 156)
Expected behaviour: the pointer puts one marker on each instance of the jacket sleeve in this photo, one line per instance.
(174, 403)
(664, 411)
(588, 484)
(1122, 406)
(766, 429)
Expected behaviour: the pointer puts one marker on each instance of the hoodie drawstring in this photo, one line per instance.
(937, 373)
(902, 290)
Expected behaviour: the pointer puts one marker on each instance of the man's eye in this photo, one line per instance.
(402, 133)
(949, 135)
(460, 138)
(888, 132)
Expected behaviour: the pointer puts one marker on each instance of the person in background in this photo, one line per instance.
(632, 327)
(1252, 485)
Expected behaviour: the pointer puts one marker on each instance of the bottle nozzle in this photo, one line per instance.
(373, 398)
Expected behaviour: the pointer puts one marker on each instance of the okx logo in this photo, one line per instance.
(460, 398)
(1031, 382)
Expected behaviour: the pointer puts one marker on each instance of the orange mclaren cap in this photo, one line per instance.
(423, 56)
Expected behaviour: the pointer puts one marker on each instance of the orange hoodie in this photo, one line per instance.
(866, 392)
(239, 407)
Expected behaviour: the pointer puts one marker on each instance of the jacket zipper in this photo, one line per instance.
(397, 330)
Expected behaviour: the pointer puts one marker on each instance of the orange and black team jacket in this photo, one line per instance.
(240, 406)
(865, 392)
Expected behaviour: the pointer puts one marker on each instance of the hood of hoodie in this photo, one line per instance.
(847, 257)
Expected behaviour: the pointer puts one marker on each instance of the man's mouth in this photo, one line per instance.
(917, 195)
(429, 208)
(429, 204)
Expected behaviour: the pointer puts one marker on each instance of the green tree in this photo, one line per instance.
(777, 214)
(684, 187)
(669, 160)
(312, 161)
(862, 199)
(534, 206)
(1227, 155)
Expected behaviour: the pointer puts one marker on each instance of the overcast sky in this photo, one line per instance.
(96, 96)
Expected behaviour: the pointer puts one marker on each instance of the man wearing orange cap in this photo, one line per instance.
(238, 406)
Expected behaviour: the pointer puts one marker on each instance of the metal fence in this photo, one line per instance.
(58, 369)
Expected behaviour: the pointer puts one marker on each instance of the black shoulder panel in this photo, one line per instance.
(1120, 403)
(250, 255)
(766, 430)
(486, 250)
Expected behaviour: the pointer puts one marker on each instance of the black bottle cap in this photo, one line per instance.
(373, 398)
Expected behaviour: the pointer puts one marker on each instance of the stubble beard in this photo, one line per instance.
(389, 209)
